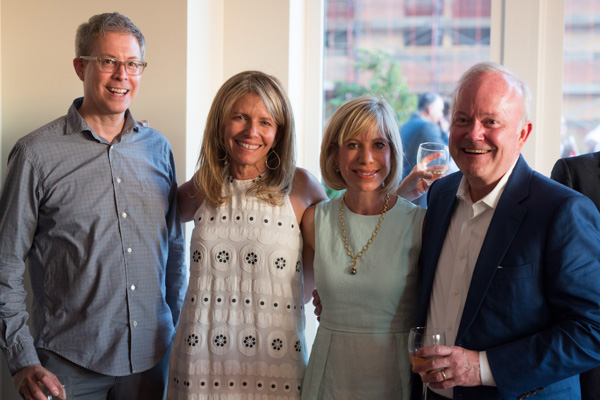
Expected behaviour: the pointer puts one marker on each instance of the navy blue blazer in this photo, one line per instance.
(534, 301)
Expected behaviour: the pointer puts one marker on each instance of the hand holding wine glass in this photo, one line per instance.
(437, 166)
(419, 338)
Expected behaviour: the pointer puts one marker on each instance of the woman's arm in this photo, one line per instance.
(305, 194)
(308, 251)
(188, 200)
(306, 191)
(414, 185)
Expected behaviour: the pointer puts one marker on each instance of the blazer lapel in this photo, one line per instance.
(505, 223)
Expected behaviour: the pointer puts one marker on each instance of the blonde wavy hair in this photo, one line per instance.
(212, 162)
(351, 119)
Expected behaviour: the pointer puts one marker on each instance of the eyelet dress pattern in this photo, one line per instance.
(241, 333)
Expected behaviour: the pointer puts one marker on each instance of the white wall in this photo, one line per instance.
(527, 37)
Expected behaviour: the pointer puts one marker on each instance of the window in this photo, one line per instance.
(432, 41)
(581, 79)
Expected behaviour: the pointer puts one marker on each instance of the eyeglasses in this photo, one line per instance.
(108, 64)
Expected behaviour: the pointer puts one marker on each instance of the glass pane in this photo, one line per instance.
(581, 80)
(431, 42)
(400, 49)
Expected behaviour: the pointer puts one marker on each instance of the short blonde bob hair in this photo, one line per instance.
(213, 159)
(351, 119)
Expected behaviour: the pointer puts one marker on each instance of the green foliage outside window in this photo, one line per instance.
(385, 79)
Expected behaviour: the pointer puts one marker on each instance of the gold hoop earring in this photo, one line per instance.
(278, 160)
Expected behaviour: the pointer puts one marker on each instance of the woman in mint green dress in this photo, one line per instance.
(365, 246)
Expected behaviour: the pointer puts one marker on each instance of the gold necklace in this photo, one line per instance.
(370, 242)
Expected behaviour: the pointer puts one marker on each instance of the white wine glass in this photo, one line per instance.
(65, 392)
(67, 389)
(427, 162)
(419, 338)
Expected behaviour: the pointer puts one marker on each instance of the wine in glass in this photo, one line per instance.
(423, 337)
(426, 160)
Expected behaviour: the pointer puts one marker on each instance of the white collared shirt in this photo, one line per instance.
(464, 238)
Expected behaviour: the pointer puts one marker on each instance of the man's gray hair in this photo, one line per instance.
(509, 75)
(101, 24)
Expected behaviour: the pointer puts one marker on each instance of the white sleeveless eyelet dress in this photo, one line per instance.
(360, 351)
(241, 333)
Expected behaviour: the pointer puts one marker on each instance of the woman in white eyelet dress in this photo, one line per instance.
(241, 332)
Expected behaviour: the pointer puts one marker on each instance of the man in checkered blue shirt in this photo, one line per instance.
(89, 201)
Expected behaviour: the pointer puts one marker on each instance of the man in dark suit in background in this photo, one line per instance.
(510, 266)
(582, 173)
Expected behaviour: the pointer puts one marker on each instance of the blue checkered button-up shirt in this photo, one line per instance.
(99, 226)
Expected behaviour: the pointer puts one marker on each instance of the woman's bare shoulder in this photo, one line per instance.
(189, 198)
(307, 187)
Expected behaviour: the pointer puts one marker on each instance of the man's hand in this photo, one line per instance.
(452, 366)
(29, 383)
(317, 303)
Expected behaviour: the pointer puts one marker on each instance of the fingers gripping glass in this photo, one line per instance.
(108, 64)
(423, 337)
(435, 165)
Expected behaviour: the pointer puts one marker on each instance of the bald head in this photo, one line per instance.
(511, 79)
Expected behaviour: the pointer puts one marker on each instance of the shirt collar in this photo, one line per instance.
(492, 198)
(76, 123)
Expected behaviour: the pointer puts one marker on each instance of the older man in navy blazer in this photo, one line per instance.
(510, 259)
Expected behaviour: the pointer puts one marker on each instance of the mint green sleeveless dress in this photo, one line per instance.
(360, 351)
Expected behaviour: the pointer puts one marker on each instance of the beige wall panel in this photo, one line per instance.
(256, 36)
